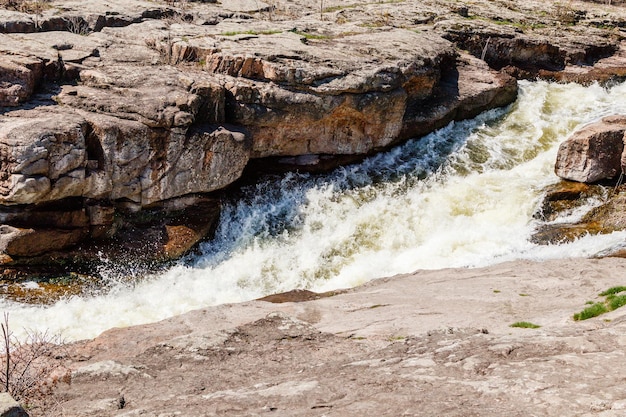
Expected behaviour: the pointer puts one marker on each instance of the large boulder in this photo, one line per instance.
(50, 156)
(9, 407)
(32, 242)
(594, 152)
(68, 175)
(299, 92)
(588, 157)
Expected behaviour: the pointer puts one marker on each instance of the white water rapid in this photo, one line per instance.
(461, 197)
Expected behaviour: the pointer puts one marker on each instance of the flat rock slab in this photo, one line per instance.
(246, 6)
(429, 343)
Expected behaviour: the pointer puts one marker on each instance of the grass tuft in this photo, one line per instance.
(525, 325)
(312, 35)
(613, 291)
(617, 302)
(591, 311)
(611, 302)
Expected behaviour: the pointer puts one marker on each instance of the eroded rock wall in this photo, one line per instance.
(140, 106)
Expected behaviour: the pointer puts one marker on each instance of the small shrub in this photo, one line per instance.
(29, 368)
(77, 25)
(525, 325)
(565, 14)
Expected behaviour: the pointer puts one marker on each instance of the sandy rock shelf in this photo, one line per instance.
(422, 344)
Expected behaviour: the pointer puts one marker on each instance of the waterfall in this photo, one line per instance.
(462, 196)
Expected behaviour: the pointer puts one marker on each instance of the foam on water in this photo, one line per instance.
(461, 197)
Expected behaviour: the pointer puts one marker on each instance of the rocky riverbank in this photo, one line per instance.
(121, 123)
(151, 108)
(423, 344)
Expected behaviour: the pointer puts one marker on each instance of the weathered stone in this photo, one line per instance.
(353, 106)
(161, 233)
(593, 153)
(51, 156)
(147, 166)
(374, 350)
(465, 90)
(43, 157)
(30, 242)
(565, 197)
(609, 216)
(162, 97)
(247, 6)
(19, 77)
(207, 158)
(9, 407)
(67, 216)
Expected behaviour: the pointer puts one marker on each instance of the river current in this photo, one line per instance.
(462, 196)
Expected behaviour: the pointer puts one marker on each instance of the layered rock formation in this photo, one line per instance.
(135, 106)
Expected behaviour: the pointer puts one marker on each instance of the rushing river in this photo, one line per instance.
(463, 196)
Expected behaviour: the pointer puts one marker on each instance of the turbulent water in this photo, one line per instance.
(461, 197)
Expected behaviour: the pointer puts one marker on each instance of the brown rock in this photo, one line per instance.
(592, 153)
(567, 196)
(31, 242)
(465, 90)
(609, 216)
(62, 215)
(162, 233)
(19, 76)
(606, 215)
